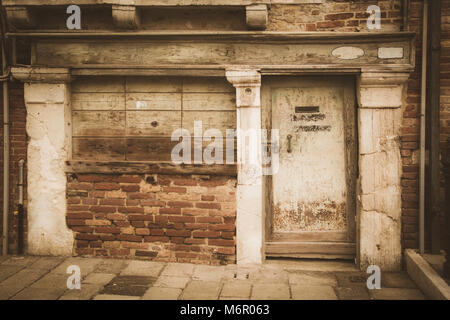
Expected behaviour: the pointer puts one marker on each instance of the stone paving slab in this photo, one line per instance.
(300, 292)
(237, 289)
(115, 297)
(113, 266)
(397, 294)
(8, 270)
(312, 279)
(396, 280)
(352, 293)
(98, 278)
(51, 280)
(86, 265)
(178, 270)
(158, 293)
(270, 292)
(39, 294)
(208, 273)
(47, 263)
(23, 278)
(6, 292)
(352, 279)
(23, 261)
(201, 290)
(171, 282)
(143, 268)
(86, 292)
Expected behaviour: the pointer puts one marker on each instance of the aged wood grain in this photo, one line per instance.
(98, 123)
(98, 148)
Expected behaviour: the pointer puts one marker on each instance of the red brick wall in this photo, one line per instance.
(159, 217)
(343, 16)
(18, 150)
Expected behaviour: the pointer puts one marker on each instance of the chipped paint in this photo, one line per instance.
(312, 216)
(310, 188)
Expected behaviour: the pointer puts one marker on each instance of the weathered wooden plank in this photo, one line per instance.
(130, 167)
(99, 149)
(153, 101)
(211, 52)
(153, 84)
(327, 236)
(209, 101)
(220, 120)
(207, 84)
(153, 123)
(149, 149)
(282, 247)
(99, 84)
(98, 101)
(98, 123)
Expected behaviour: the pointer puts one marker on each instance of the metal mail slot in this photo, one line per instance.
(309, 109)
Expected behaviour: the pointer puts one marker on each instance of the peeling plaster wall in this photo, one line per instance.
(380, 175)
(48, 117)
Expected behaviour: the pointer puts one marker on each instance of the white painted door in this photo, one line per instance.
(312, 211)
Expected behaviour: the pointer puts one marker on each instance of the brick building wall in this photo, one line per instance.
(339, 16)
(18, 150)
(162, 217)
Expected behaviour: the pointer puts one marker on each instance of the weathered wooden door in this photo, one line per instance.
(312, 211)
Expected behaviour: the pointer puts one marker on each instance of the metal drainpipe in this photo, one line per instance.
(20, 209)
(4, 78)
(422, 129)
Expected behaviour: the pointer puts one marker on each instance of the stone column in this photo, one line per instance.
(249, 221)
(380, 99)
(48, 127)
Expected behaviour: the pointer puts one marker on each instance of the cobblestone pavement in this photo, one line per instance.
(30, 277)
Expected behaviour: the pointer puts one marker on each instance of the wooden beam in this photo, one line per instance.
(277, 248)
(127, 167)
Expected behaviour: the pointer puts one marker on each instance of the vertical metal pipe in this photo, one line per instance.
(5, 162)
(20, 209)
(422, 129)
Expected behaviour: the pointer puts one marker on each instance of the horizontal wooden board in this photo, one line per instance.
(98, 84)
(153, 84)
(149, 149)
(130, 167)
(98, 123)
(207, 84)
(153, 123)
(98, 101)
(331, 236)
(209, 101)
(153, 101)
(98, 149)
(220, 120)
(296, 248)
(247, 51)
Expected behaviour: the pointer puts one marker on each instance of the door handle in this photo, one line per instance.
(289, 149)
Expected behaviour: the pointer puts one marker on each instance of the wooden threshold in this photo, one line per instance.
(311, 249)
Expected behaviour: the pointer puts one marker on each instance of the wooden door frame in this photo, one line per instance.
(313, 244)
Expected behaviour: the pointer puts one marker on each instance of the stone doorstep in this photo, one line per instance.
(426, 278)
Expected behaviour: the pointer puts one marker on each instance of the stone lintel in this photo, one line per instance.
(41, 74)
(126, 16)
(256, 16)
